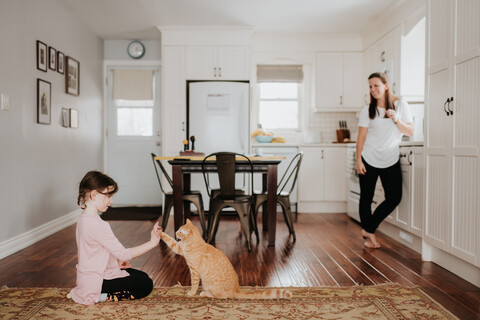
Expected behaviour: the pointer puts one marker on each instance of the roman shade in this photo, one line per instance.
(279, 73)
(132, 84)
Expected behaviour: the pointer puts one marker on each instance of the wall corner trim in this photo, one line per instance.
(32, 236)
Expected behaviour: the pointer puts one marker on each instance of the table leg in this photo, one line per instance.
(187, 213)
(272, 203)
(264, 205)
(177, 181)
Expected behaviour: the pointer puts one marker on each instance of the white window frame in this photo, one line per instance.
(300, 99)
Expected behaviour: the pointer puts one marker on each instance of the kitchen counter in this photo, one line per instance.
(303, 144)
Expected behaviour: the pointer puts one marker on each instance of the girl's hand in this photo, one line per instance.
(360, 167)
(124, 264)
(155, 234)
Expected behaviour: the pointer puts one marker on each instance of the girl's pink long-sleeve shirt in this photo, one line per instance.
(98, 251)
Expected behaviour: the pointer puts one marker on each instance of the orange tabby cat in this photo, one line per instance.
(209, 264)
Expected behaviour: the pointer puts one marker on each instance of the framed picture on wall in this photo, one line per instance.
(44, 101)
(73, 118)
(60, 62)
(52, 58)
(41, 56)
(72, 76)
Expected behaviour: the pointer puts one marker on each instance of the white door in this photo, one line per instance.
(133, 133)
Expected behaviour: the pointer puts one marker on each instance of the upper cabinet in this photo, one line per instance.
(217, 63)
(339, 81)
(384, 56)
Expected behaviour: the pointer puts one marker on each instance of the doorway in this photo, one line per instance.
(133, 132)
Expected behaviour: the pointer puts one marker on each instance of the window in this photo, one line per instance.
(133, 99)
(280, 88)
(279, 105)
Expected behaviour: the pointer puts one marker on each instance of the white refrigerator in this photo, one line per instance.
(218, 117)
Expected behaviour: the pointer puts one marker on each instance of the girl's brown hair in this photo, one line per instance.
(389, 97)
(94, 180)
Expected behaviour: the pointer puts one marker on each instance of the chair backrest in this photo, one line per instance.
(165, 173)
(226, 163)
(289, 178)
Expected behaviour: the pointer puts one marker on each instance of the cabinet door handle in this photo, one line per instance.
(409, 157)
(220, 72)
(215, 71)
(382, 56)
(183, 125)
(322, 154)
(445, 106)
(341, 100)
(448, 106)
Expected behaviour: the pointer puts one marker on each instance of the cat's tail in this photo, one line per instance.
(264, 294)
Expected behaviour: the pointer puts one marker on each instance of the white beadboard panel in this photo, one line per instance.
(439, 32)
(465, 186)
(466, 103)
(469, 11)
(438, 204)
(174, 77)
(437, 120)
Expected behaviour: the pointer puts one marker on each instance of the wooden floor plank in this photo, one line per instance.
(328, 252)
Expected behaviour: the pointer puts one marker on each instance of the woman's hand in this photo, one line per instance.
(392, 115)
(155, 234)
(360, 167)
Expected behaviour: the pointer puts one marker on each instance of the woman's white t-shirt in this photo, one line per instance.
(381, 147)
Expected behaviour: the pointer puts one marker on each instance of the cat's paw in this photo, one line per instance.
(191, 293)
(205, 294)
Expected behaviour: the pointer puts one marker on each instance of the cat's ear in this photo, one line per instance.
(188, 221)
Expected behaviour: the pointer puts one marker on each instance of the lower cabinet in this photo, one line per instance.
(322, 179)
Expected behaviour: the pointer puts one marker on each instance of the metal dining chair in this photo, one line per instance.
(227, 196)
(193, 196)
(284, 190)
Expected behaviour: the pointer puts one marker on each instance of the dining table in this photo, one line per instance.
(184, 166)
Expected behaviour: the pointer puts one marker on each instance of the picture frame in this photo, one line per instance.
(73, 119)
(52, 58)
(42, 56)
(60, 62)
(44, 101)
(65, 117)
(72, 76)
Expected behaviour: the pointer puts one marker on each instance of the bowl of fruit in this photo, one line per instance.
(262, 136)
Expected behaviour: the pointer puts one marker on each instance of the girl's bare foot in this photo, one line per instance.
(370, 240)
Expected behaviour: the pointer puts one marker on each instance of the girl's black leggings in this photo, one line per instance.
(391, 179)
(137, 285)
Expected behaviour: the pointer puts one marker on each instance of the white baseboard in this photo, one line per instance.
(28, 238)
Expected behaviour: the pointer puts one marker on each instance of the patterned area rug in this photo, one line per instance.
(388, 301)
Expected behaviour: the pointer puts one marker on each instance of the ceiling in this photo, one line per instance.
(140, 19)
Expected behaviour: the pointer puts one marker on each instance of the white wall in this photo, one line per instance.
(41, 165)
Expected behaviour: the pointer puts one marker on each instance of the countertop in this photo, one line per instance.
(303, 144)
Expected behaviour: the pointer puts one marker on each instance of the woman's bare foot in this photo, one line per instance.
(370, 240)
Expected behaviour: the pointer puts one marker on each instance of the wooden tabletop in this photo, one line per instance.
(200, 158)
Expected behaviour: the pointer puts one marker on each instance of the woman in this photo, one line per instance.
(380, 129)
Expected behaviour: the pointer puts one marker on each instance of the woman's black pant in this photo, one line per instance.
(137, 285)
(391, 179)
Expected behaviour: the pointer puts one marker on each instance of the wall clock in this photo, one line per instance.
(136, 49)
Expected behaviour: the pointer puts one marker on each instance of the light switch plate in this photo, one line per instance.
(4, 102)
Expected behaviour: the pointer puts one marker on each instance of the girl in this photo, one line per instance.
(380, 129)
(101, 257)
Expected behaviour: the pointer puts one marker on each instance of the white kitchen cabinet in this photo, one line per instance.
(339, 80)
(384, 56)
(452, 131)
(217, 63)
(322, 175)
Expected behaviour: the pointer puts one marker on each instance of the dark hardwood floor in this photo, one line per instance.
(328, 252)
